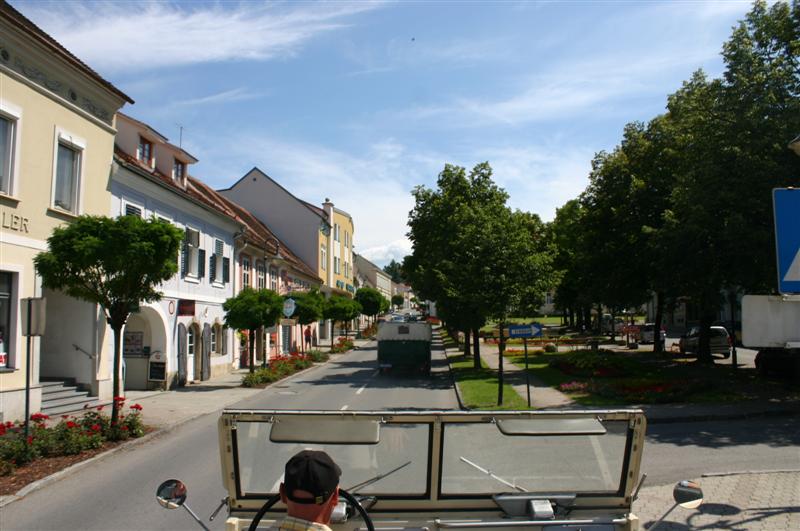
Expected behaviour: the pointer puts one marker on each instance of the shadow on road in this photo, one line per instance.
(775, 432)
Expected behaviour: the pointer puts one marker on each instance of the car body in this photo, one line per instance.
(719, 341)
(647, 333)
(417, 470)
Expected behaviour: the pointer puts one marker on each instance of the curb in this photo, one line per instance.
(704, 417)
(57, 476)
(453, 378)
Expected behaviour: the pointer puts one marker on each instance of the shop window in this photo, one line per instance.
(6, 299)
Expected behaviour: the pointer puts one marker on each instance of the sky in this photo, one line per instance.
(360, 102)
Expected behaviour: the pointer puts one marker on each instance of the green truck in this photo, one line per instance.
(404, 346)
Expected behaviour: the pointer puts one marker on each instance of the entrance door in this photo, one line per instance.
(181, 355)
(194, 350)
(286, 337)
(206, 363)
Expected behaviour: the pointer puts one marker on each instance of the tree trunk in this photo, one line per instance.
(704, 343)
(333, 323)
(502, 349)
(467, 343)
(476, 348)
(251, 334)
(117, 329)
(658, 344)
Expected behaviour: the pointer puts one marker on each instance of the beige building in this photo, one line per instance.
(56, 145)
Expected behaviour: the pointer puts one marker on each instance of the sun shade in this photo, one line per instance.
(541, 427)
(322, 430)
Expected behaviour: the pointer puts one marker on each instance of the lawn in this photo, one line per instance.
(619, 378)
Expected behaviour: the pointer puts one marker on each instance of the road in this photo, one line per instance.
(745, 357)
(118, 492)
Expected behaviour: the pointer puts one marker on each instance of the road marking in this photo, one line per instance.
(276, 487)
(343, 407)
(361, 390)
(601, 460)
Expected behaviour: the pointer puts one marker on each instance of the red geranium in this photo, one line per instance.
(71, 424)
(39, 417)
(95, 427)
(137, 407)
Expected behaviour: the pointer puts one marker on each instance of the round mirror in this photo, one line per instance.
(171, 494)
(688, 494)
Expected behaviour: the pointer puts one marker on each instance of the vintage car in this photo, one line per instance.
(415, 470)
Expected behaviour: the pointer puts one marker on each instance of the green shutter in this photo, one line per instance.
(201, 263)
(226, 270)
(212, 268)
(185, 254)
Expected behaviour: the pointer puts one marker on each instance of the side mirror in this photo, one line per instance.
(688, 494)
(171, 494)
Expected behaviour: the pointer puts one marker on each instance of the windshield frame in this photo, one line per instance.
(433, 499)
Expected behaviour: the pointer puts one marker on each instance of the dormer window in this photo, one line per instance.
(145, 151)
(178, 170)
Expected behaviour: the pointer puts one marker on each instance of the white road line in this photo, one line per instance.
(601, 461)
(277, 484)
(361, 390)
(343, 407)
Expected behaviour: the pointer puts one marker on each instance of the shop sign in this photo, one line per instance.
(14, 222)
(288, 322)
(288, 307)
(185, 307)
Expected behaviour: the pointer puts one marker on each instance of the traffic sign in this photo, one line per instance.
(288, 307)
(786, 208)
(528, 330)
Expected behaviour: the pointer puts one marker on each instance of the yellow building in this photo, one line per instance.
(338, 272)
(56, 145)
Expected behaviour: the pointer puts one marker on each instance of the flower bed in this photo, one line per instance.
(71, 435)
(342, 345)
(278, 368)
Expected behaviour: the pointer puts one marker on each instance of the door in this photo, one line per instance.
(206, 360)
(181, 355)
(286, 337)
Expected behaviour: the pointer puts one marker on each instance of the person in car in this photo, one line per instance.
(310, 491)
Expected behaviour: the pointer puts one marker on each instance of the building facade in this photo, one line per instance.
(186, 327)
(56, 145)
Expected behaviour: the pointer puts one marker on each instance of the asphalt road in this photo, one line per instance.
(119, 492)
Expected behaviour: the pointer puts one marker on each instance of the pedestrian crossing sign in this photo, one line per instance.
(786, 208)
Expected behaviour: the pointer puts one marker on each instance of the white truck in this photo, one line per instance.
(771, 324)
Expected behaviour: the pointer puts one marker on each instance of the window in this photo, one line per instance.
(336, 264)
(346, 240)
(273, 279)
(323, 257)
(214, 338)
(336, 232)
(191, 338)
(7, 131)
(178, 170)
(5, 319)
(145, 153)
(193, 256)
(261, 275)
(245, 271)
(132, 210)
(68, 169)
(216, 265)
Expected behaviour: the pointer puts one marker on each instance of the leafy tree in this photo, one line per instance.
(398, 300)
(385, 305)
(250, 310)
(395, 270)
(308, 307)
(341, 309)
(370, 300)
(115, 263)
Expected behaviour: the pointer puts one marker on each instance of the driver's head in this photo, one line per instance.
(310, 487)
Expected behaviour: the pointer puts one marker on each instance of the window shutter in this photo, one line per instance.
(201, 263)
(131, 210)
(219, 247)
(212, 268)
(224, 339)
(226, 270)
(185, 254)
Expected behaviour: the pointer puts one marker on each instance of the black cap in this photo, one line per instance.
(314, 472)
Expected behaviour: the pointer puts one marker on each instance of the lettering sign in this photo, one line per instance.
(185, 307)
(157, 371)
(132, 343)
(14, 222)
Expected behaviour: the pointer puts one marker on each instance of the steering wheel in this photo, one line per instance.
(343, 493)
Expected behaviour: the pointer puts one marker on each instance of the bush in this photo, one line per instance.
(318, 356)
(588, 363)
(550, 348)
(342, 345)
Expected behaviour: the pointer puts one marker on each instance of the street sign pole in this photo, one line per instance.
(527, 374)
(28, 371)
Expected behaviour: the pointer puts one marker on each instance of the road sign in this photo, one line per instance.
(528, 330)
(786, 208)
(288, 307)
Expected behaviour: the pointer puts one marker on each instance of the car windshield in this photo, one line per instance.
(480, 455)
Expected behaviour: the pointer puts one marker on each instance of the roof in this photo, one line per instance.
(258, 233)
(17, 19)
(373, 266)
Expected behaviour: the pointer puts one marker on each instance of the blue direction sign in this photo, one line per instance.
(786, 206)
(528, 330)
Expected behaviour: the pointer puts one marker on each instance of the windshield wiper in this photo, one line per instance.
(492, 475)
(356, 488)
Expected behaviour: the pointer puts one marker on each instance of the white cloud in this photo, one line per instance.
(383, 254)
(227, 96)
(137, 36)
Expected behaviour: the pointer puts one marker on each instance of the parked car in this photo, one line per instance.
(647, 333)
(719, 342)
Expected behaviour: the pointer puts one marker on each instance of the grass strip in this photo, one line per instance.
(479, 386)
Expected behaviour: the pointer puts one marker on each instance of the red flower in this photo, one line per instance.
(39, 417)
(137, 407)
(64, 417)
(100, 408)
(71, 424)
(30, 439)
(119, 399)
(124, 428)
(95, 427)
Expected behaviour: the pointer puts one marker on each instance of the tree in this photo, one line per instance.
(398, 300)
(395, 270)
(115, 263)
(251, 309)
(308, 307)
(341, 309)
(370, 300)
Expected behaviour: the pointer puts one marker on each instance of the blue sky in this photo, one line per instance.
(361, 101)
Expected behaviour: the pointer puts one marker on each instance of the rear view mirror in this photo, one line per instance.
(541, 427)
(325, 430)
(688, 494)
(171, 494)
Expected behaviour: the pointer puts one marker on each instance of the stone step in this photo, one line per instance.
(61, 392)
(73, 408)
